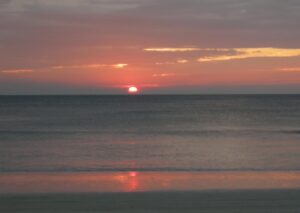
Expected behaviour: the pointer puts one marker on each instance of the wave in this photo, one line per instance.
(160, 132)
(157, 169)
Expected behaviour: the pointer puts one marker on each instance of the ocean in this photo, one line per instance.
(180, 133)
(189, 153)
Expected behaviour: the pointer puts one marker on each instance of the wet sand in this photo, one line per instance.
(133, 181)
(205, 201)
(150, 192)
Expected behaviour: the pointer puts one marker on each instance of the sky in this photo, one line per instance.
(159, 46)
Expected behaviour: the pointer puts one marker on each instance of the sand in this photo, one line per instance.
(138, 192)
(257, 201)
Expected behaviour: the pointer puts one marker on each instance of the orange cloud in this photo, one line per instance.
(120, 66)
(179, 61)
(170, 49)
(17, 71)
(140, 85)
(162, 75)
(164, 63)
(182, 61)
(244, 53)
(90, 66)
(183, 49)
(290, 69)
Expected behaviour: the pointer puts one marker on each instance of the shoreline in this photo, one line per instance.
(107, 182)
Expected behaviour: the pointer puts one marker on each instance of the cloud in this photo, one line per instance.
(75, 6)
(290, 69)
(139, 85)
(226, 54)
(115, 23)
(62, 67)
(244, 53)
(4, 2)
(86, 66)
(90, 66)
(164, 63)
(163, 75)
(182, 61)
(184, 49)
(179, 61)
(120, 66)
(170, 49)
(17, 71)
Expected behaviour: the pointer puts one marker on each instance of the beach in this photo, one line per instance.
(258, 201)
(151, 192)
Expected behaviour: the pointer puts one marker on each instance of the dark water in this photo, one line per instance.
(149, 133)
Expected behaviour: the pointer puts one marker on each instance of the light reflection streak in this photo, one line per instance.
(129, 181)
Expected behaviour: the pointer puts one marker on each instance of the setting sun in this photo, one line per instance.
(133, 90)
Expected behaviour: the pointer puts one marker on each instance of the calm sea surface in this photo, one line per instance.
(149, 133)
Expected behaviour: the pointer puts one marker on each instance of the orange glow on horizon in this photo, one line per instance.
(137, 73)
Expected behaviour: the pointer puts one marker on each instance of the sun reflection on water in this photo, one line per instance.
(129, 181)
(133, 181)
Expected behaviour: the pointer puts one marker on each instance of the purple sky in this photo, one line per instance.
(160, 46)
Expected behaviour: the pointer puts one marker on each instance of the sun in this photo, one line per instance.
(133, 90)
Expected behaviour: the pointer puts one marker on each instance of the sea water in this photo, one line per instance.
(149, 133)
